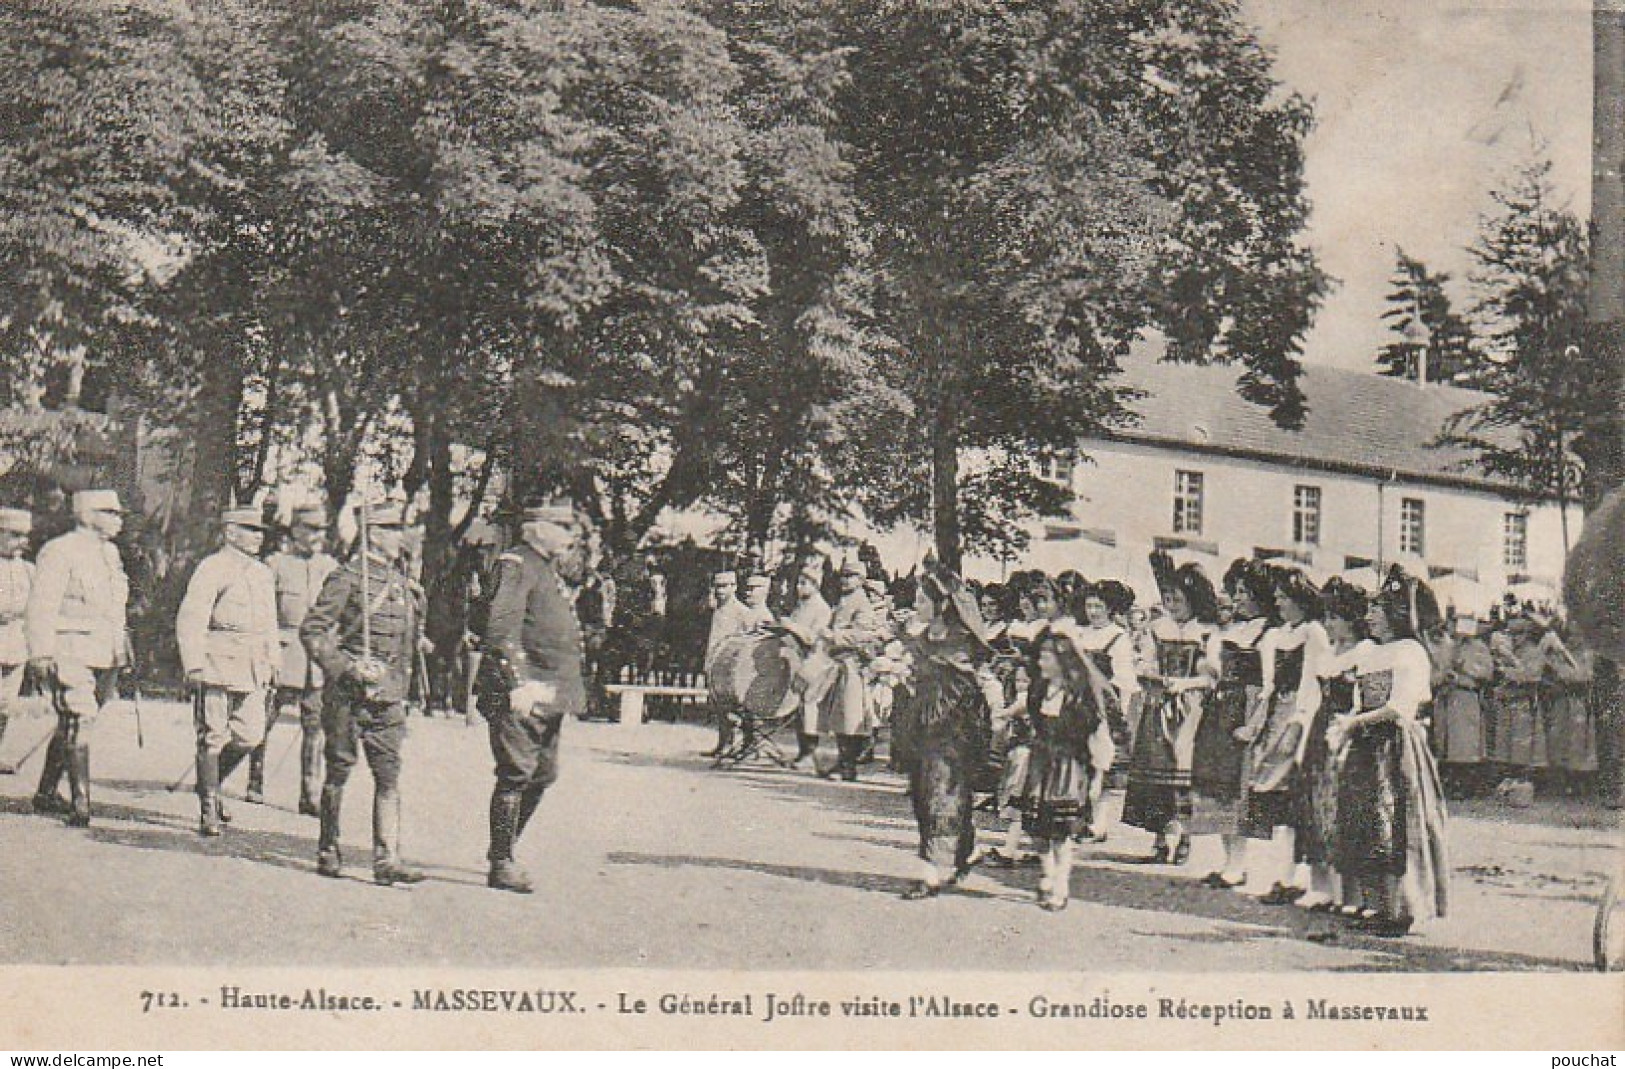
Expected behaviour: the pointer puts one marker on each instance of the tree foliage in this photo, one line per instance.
(1434, 340)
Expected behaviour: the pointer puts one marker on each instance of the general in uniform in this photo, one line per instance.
(16, 577)
(75, 629)
(364, 631)
(530, 680)
(299, 572)
(227, 633)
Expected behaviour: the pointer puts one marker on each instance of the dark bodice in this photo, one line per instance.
(1288, 670)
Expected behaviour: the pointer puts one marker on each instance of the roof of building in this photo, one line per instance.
(1358, 423)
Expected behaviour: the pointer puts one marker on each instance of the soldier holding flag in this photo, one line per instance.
(364, 632)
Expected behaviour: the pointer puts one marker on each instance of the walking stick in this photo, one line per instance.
(135, 700)
(34, 749)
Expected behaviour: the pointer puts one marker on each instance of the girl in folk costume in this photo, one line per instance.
(1067, 725)
(1390, 810)
(1343, 608)
(1099, 607)
(1037, 604)
(1219, 759)
(1458, 705)
(1158, 797)
(1292, 654)
(941, 723)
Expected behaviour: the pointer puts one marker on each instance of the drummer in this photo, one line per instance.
(728, 618)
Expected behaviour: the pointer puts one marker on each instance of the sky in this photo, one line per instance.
(1421, 106)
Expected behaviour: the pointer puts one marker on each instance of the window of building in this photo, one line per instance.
(1412, 537)
(1056, 468)
(1188, 502)
(1306, 515)
(1515, 541)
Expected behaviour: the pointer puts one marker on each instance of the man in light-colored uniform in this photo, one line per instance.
(77, 642)
(227, 633)
(855, 635)
(16, 577)
(299, 571)
(729, 617)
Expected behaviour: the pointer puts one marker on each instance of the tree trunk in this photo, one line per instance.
(268, 421)
(1605, 466)
(340, 443)
(945, 480)
(214, 445)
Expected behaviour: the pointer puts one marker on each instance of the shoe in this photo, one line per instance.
(390, 873)
(1182, 851)
(1281, 895)
(1385, 927)
(1159, 855)
(921, 890)
(254, 797)
(506, 876)
(998, 859)
(1220, 882)
(330, 865)
(1328, 906)
(715, 751)
(1053, 905)
(308, 808)
(7, 768)
(53, 805)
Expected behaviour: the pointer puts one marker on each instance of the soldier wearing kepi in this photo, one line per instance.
(364, 631)
(16, 577)
(299, 571)
(530, 679)
(227, 633)
(75, 628)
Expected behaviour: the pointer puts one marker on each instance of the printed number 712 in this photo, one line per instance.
(160, 1000)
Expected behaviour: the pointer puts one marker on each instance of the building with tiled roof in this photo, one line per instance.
(1210, 476)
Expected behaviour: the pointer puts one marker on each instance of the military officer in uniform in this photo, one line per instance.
(75, 628)
(364, 631)
(227, 633)
(729, 617)
(299, 570)
(530, 679)
(16, 577)
(855, 635)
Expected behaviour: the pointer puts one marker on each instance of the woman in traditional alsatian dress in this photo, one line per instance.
(1159, 781)
(1390, 809)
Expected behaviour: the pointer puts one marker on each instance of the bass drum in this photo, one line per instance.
(750, 672)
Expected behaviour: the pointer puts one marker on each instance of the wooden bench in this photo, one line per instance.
(632, 695)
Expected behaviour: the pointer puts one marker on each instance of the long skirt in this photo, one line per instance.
(1315, 825)
(939, 784)
(1458, 724)
(1057, 797)
(1219, 764)
(1272, 771)
(1391, 818)
(1571, 742)
(1159, 778)
(1516, 735)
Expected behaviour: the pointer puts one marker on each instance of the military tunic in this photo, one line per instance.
(227, 633)
(854, 636)
(76, 616)
(354, 714)
(16, 576)
(532, 637)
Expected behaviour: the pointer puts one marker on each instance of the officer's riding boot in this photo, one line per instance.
(850, 748)
(310, 774)
(529, 800)
(6, 767)
(806, 745)
(256, 776)
(46, 798)
(208, 792)
(79, 784)
(387, 867)
(328, 861)
(505, 875)
(230, 757)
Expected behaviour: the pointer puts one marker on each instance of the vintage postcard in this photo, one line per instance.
(852, 525)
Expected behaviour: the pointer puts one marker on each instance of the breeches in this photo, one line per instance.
(356, 726)
(225, 716)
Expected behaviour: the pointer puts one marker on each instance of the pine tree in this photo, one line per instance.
(1433, 338)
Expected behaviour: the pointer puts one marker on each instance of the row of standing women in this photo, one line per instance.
(1298, 716)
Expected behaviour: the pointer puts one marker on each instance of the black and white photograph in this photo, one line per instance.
(1004, 516)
